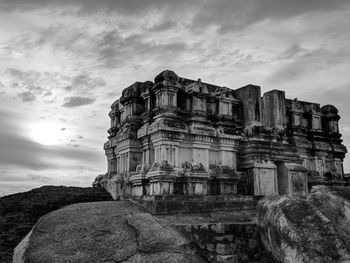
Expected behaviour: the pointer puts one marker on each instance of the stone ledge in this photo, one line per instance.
(199, 198)
(162, 205)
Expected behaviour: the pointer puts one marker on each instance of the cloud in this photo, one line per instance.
(27, 96)
(41, 178)
(292, 51)
(76, 101)
(258, 8)
(21, 75)
(44, 84)
(127, 7)
(35, 83)
(48, 93)
(226, 15)
(85, 82)
(11, 177)
(164, 25)
(235, 15)
(336, 95)
(114, 48)
(23, 79)
(296, 62)
(68, 88)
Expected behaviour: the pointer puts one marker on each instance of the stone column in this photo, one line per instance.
(274, 109)
(250, 96)
(262, 177)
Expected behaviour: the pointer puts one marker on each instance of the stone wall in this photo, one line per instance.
(163, 205)
(228, 242)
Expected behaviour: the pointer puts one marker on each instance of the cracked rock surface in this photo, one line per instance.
(334, 203)
(104, 232)
(295, 231)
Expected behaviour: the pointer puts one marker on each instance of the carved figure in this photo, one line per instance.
(193, 167)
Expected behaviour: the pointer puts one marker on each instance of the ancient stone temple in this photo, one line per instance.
(177, 136)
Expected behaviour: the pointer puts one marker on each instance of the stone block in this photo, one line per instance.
(220, 238)
(218, 228)
(227, 259)
(264, 177)
(292, 179)
(211, 247)
(222, 249)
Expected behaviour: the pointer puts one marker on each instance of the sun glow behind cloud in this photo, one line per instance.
(48, 133)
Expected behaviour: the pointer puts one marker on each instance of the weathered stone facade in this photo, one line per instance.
(177, 136)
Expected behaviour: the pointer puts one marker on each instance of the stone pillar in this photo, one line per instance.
(250, 97)
(136, 184)
(177, 164)
(330, 118)
(320, 165)
(316, 123)
(274, 109)
(296, 113)
(292, 179)
(337, 163)
(147, 157)
(262, 177)
(200, 154)
(206, 165)
(134, 159)
(118, 164)
(161, 182)
(146, 96)
(166, 88)
(109, 148)
(227, 186)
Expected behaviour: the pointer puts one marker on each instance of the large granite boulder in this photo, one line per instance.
(334, 203)
(19, 212)
(103, 232)
(295, 231)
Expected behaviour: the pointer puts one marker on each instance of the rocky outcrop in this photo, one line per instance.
(112, 183)
(334, 203)
(19, 212)
(104, 232)
(295, 231)
(97, 182)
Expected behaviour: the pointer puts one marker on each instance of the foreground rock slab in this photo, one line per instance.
(295, 231)
(334, 203)
(103, 232)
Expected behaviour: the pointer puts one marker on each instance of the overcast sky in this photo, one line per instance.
(63, 62)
